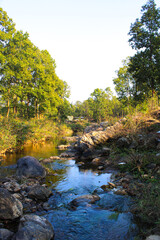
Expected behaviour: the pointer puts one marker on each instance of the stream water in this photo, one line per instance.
(107, 219)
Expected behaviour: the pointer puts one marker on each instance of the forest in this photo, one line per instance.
(119, 131)
(30, 87)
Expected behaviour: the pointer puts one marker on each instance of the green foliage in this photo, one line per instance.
(64, 130)
(148, 205)
(148, 198)
(7, 29)
(145, 38)
(124, 84)
(64, 110)
(99, 103)
(15, 133)
(136, 163)
(147, 105)
(138, 79)
(78, 126)
(99, 107)
(29, 86)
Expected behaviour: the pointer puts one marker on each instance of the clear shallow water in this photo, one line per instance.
(91, 224)
(106, 219)
(81, 180)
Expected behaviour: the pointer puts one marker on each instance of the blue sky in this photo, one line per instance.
(87, 38)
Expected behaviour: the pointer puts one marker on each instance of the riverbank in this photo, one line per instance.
(132, 147)
(15, 133)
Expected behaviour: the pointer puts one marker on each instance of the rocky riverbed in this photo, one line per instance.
(33, 208)
(81, 188)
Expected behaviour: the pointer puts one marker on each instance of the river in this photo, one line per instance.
(108, 218)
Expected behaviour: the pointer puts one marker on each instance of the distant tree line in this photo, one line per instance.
(99, 106)
(138, 79)
(29, 86)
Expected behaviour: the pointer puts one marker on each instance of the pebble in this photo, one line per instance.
(112, 184)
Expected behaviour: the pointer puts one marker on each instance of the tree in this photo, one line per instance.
(49, 93)
(145, 38)
(28, 82)
(100, 104)
(16, 71)
(7, 29)
(124, 83)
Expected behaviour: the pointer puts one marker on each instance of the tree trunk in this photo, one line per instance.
(28, 107)
(15, 107)
(36, 109)
(8, 108)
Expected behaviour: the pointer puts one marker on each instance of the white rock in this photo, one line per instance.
(153, 237)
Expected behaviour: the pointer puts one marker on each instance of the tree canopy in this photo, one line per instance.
(29, 85)
(124, 83)
(145, 39)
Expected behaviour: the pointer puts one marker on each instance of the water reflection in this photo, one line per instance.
(37, 150)
(86, 180)
(95, 221)
(68, 176)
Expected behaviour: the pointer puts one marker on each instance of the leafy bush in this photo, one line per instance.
(14, 133)
(78, 127)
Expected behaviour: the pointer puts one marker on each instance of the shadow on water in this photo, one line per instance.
(108, 218)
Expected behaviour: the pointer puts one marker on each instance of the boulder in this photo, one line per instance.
(91, 153)
(5, 234)
(92, 127)
(39, 193)
(83, 200)
(151, 142)
(105, 151)
(34, 227)
(47, 160)
(123, 142)
(50, 160)
(12, 186)
(113, 202)
(153, 237)
(68, 154)
(10, 207)
(98, 161)
(30, 167)
(92, 138)
(71, 139)
(63, 147)
(88, 154)
(120, 192)
(104, 124)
